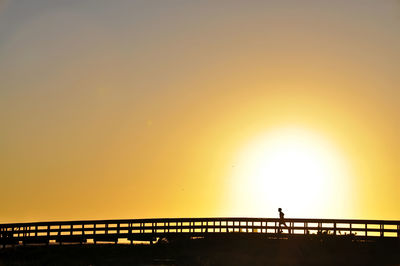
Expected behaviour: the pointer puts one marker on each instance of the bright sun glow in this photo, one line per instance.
(293, 169)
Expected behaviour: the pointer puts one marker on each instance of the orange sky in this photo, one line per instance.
(130, 109)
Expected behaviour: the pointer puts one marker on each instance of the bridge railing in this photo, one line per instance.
(148, 229)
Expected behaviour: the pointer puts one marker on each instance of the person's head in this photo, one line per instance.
(279, 209)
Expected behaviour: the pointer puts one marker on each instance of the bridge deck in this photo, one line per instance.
(150, 229)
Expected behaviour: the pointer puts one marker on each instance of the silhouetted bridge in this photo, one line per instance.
(175, 228)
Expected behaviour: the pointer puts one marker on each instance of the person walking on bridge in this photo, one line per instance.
(282, 220)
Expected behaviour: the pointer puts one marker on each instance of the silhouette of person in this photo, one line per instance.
(281, 220)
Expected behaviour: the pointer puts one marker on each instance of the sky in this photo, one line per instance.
(132, 109)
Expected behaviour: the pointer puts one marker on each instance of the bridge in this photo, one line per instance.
(184, 228)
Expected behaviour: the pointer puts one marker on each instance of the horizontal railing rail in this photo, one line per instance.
(149, 229)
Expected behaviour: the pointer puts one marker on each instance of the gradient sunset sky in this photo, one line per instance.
(132, 109)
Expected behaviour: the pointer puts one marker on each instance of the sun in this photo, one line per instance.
(291, 168)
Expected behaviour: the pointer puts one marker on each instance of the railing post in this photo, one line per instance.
(2, 236)
(48, 234)
(60, 234)
(305, 228)
(130, 232)
(94, 233)
(398, 231)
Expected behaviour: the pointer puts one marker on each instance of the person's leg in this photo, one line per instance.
(284, 224)
(287, 227)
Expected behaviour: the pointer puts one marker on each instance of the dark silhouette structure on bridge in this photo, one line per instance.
(175, 228)
(281, 219)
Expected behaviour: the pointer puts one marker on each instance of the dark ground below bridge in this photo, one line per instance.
(228, 251)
